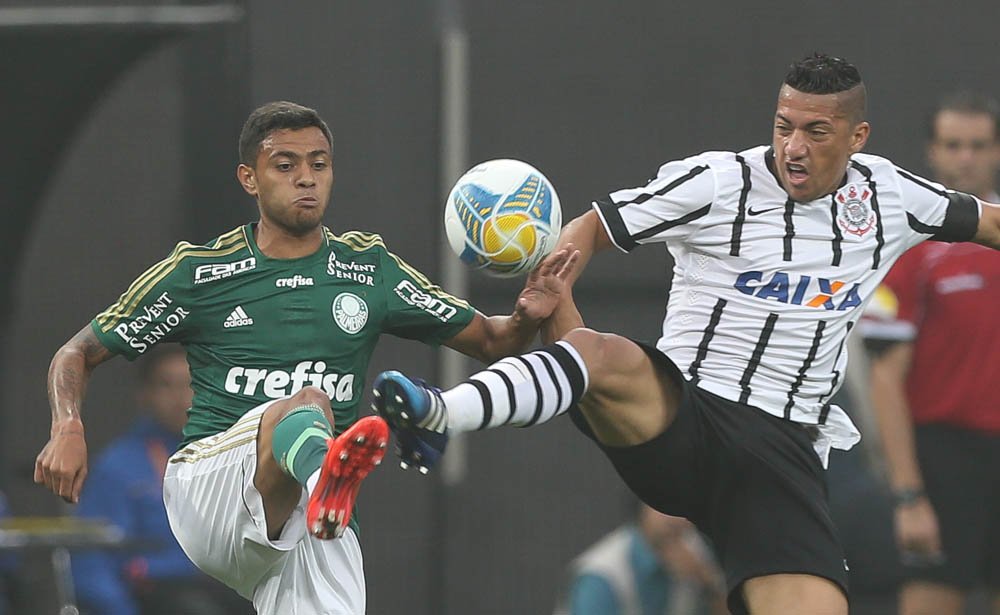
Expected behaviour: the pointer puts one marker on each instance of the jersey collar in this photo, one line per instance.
(248, 235)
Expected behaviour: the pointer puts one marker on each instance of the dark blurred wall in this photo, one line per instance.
(595, 94)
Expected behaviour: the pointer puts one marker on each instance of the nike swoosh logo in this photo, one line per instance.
(757, 212)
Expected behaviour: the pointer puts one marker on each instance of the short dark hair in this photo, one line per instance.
(965, 101)
(278, 115)
(820, 73)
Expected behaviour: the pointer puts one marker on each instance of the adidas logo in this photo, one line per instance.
(238, 318)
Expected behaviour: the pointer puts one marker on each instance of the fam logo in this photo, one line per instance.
(417, 298)
(349, 270)
(806, 290)
(855, 214)
(350, 312)
(221, 271)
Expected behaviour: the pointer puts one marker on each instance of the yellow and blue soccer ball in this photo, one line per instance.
(502, 217)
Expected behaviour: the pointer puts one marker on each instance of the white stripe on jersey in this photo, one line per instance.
(765, 289)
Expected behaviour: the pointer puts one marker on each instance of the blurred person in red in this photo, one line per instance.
(125, 487)
(935, 341)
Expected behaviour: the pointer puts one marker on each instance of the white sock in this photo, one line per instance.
(522, 391)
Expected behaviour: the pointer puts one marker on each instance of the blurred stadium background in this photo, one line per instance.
(120, 126)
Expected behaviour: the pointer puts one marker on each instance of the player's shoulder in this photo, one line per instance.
(725, 163)
(356, 241)
(876, 166)
(713, 159)
(217, 258)
(700, 171)
(187, 256)
(225, 245)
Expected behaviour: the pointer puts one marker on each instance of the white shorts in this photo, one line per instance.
(217, 515)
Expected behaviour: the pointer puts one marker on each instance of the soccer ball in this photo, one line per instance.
(502, 217)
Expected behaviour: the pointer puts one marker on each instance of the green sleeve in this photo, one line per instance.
(417, 308)
(155, 308)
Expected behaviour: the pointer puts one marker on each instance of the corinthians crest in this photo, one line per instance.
(855, 215)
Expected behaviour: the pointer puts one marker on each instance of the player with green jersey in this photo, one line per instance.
(279, 319)
(258, 328)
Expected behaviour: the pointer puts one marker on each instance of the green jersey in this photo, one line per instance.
(257, 328)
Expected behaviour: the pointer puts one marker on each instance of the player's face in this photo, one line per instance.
(965, 153)
(292, 179)
(814, 138)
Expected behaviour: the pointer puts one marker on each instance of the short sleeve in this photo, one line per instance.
(679, 195)
(934, 212)
(155, 308)
(417, 308)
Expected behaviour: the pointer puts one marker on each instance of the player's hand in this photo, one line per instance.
(546, 284)
(917, 533)
(62, 464)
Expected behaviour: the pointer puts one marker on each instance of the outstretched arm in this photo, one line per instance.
(588, 235)
(62, 464)
(490, 338)
(989, 226)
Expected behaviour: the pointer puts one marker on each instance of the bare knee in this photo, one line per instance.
(628, 399)
(606, 355)
(308, 396)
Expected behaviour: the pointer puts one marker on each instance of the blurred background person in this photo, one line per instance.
(935, 343)
(125, 488)
(658, 565)
(963, 149)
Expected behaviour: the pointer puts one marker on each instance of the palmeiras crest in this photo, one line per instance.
(855, 214)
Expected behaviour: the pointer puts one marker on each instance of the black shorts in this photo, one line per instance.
(750, 481)
(959, 467)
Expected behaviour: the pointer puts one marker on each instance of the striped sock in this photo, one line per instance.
(522, 391)
(299, 442)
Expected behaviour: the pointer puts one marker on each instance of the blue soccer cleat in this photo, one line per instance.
(416, 414)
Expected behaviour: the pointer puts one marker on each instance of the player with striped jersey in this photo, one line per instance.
(279, 319)
(728, 421)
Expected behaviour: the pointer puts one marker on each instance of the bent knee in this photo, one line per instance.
(308, 396)
(606, 354)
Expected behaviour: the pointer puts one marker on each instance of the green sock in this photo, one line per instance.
(299, 442)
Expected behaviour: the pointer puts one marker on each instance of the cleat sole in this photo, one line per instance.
(348, 461)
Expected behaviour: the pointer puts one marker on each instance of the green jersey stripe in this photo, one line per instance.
(126, 297)
(360, 241)
(127, 303)
(110, 317)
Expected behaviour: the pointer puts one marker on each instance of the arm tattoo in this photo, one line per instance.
(69, 373)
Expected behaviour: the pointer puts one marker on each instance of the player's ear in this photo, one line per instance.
(247, 178)
(860, 137)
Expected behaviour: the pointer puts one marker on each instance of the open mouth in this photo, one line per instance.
(797, 173)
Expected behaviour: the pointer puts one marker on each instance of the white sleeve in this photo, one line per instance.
(681, 193)
(934, 212)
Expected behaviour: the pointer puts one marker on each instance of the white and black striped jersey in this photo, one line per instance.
(765, 289)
